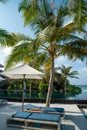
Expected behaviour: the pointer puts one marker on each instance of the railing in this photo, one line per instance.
(16, 93)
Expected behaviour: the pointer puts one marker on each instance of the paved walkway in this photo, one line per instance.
(74, 119)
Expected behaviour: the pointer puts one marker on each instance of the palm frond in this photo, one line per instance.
(7, 39)
(22, 37)
(18, 54)
(80, 10)
(3, 1)
(76, 49)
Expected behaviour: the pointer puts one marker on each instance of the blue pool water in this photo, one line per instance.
(83, 95)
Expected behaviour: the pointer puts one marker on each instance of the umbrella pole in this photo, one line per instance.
(23, 97)
(30, 88)
(23, 93)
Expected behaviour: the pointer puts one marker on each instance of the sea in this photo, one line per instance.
(83, 95)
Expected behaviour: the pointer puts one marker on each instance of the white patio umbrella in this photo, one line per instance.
(23, 72)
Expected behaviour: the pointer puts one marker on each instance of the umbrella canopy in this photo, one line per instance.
(23, 72)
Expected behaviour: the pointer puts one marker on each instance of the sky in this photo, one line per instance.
(12, 21)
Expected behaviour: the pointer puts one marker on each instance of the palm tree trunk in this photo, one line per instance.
(49, 94)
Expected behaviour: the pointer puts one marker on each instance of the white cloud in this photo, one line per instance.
(3, 53)
(7, 50)
(82, 70)
(60, 61)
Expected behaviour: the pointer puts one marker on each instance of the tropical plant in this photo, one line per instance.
(73, 90)
(52, 35)
(67, 73)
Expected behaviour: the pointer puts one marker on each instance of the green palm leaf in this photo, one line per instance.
(3, 1)
(79, 7)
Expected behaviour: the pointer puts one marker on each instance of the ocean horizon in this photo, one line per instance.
(85, 85)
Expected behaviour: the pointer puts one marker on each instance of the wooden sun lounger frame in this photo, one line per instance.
(57, 124)
(20, 120)
(26, 123)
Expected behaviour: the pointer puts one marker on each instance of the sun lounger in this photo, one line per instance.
(3, 101)
(37, 121)
(17, 119)
(49, 110)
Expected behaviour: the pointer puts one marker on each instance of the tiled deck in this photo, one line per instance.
(74, 119)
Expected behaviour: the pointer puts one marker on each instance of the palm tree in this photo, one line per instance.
(52, 35)
(46, 23)
(66, 72)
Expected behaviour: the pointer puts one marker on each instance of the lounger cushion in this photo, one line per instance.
(53, 110)
(32, 107)
(44, 117)
(59, 109)
(21, 115)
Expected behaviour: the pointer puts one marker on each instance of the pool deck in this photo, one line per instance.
(74, 118)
